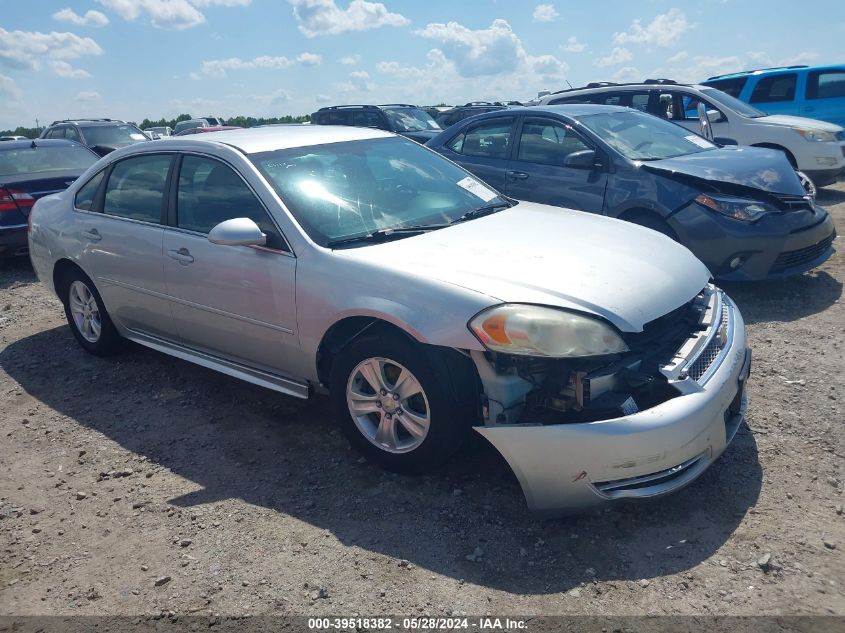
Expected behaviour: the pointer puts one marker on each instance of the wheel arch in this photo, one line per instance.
(61, 269)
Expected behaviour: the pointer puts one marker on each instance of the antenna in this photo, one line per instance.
(568, 84)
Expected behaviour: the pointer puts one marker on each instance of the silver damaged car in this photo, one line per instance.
(594, 354)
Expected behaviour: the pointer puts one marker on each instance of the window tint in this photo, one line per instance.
(136, 188)
(333, 117)
(210, 192)
(56, 132)
(774, 88)
(548, 143)
(732, 86)
(85, 196)
(826, 84)
(609, 99)
(490, 139)
(366, 118)
(639, 101)
(72, 134)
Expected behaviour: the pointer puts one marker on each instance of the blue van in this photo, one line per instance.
(816, 92)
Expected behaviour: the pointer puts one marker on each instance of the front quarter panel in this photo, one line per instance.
(331, 287)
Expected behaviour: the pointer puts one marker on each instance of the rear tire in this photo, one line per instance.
(86, 315)
(392, 405)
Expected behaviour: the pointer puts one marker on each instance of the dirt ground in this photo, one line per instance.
(144, 484)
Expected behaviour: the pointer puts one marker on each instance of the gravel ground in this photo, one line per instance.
(143, 484)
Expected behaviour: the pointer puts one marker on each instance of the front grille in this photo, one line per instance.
(711, 352)
(787, 202)
(789, 259)
(669, 331)
(663, 478)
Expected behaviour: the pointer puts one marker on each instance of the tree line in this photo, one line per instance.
(240, 121)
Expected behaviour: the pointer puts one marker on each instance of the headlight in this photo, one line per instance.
(737, 208)
(529, 330)
(813, 134)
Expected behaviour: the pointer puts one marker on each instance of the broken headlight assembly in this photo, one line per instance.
(530, 330)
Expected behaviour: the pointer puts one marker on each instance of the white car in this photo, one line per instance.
(816, 148)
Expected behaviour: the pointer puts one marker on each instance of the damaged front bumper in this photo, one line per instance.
(569, 467)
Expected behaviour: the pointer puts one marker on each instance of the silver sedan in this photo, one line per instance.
(593, 354)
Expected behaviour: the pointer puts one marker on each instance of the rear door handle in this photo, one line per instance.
(183, 256)
(517, 175)
(92, 236)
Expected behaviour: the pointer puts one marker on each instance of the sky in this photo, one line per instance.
(136, 59)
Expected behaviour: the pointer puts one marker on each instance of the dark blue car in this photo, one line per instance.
(741, 210)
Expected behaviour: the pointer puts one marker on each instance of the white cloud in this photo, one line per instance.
(544, 13)
(28, 49)
(350, 60)
(627, 73)
(309, 59)
(85, 97)
(220, 67)
(574, 46)
(492, 51)
(168, 14)
(91, 18)
(664, 30)
(678, 57)
(324, 17)
(8, 88)
(66, 71)
(359, 82)
(618, 55)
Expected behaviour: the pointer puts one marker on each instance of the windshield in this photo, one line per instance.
(641, 136)
(29, 160)
(345, 190)
(740, 107)
(410, 120)
(112, 135)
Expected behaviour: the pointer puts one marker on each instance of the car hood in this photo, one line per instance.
(533, 253)
(749, 167)
(799, 121)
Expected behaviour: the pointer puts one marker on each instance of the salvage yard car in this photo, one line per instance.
(29, 170)
(741, 210)
(596, 356)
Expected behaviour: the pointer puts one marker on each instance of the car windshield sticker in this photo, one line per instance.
(477, 189)
(137, 137)
(701, 142)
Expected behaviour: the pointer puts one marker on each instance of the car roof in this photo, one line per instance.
(624, 87)
(779, 70)
(40, 142)
(273, 137)
(567, 109)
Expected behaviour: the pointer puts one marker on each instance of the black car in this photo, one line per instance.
(459, 113)
(741, 210)
(30, 170)
(402, 118)
(101, 135)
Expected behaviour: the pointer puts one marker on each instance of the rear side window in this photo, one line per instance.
(732, 86)
(826, 84)
(548, 143)
(775, 88)
(135, 189)
(210, 192)
(84, 200)
(490, 139)
(333, 117)
(366, 118)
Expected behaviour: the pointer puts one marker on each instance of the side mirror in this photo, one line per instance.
(704, 122)
(237, 232)
(585, 159)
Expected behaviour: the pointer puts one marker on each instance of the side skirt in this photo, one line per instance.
(258, 377)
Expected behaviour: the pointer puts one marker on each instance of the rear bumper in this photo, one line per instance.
(13, 241)
(567, 468)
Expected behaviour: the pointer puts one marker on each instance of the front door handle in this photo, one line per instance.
(517, 175)
(92, 236)
(183, 256)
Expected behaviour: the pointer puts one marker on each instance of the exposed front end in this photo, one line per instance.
(630, 426)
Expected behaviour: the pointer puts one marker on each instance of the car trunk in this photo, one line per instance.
(19, 192)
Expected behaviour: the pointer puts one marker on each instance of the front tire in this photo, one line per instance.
(87, 317)
(392, 406)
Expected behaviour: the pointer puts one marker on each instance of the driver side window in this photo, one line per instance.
(548, 143)
(210, 192)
